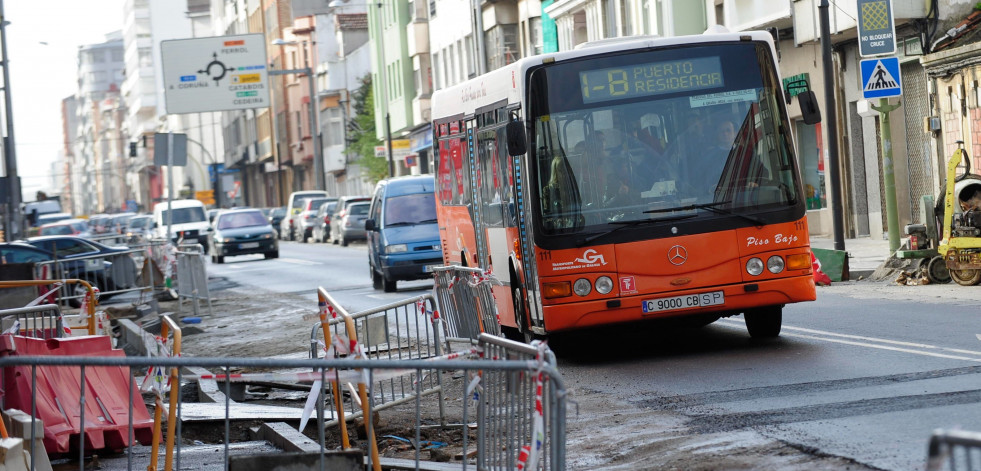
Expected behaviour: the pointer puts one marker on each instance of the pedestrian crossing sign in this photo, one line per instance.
(880, 78)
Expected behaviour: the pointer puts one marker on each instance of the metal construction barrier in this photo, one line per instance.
(527, 433)
(112, 274)
(192, 277)
(954, 450)
(85, 321)
(40, 322)
(404, 330)
(466, 302)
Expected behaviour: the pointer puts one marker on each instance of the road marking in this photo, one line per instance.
(297, 261)
(862, 341)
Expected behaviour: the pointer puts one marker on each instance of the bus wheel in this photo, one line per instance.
(525, 333)
(764, 322)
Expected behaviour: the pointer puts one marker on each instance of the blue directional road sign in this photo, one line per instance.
(880, 78)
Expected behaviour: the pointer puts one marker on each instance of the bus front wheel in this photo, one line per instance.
(764, 322)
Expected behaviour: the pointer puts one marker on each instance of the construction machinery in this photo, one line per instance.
(960, 246)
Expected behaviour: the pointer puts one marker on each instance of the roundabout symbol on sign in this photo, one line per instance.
(221, 68)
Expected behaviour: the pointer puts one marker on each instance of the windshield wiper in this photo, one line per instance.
(632, 223)
(710, 207)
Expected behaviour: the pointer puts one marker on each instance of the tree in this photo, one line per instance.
(361, 133)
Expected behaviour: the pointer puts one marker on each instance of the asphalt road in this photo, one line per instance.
(864, 373)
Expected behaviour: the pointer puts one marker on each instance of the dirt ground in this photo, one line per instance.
(604, 431)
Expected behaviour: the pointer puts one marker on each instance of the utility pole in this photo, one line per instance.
(14, 222)
(837, 209)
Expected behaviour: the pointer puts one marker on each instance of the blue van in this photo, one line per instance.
(402, 232)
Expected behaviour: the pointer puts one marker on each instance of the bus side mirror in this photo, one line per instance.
(516, 138)
(809, 109)
(369, 224)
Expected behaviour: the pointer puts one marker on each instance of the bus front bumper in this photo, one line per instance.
(738, 298)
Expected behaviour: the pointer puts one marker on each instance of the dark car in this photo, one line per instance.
(97, 274)
(275, 217)
(120, 273)
(242, 232)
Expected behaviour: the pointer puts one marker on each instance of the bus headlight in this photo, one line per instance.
(604, 285)
(396, 248)
(754, 266)
(775, 264)
(581, 287)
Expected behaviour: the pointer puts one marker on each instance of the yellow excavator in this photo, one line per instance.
(960, 246)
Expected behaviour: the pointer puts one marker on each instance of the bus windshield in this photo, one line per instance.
(688, 133)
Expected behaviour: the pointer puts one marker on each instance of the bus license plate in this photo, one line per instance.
(713, 298)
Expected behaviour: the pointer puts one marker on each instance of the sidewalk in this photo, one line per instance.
(864, 254)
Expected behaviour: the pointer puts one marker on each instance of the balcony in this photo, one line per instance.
(417, 35)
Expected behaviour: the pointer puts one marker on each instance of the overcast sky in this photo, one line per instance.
(42, 42)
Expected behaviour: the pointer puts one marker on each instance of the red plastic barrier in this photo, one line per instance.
(58, 391)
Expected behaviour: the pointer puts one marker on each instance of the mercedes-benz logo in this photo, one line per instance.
(677, 255)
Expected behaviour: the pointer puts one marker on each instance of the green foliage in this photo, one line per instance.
(361, 134)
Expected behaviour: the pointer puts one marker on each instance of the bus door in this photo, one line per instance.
(496, 198)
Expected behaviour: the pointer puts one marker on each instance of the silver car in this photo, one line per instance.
(351, 225)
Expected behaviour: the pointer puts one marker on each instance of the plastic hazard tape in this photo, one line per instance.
(529, 455)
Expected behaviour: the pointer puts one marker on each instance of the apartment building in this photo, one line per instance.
(96, 168)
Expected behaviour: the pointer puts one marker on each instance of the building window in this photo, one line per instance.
(471, 64)
(432, 8)
(501, 42)
(334, 132)
(438, 84)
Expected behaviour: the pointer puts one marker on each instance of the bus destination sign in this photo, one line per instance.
(655, 78)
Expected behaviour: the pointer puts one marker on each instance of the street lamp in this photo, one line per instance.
(13, 223)
(383, 79)
(318, 159)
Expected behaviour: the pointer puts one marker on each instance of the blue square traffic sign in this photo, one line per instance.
(880, 78)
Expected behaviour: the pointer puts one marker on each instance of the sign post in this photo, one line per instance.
(881, 79)
(876, 28)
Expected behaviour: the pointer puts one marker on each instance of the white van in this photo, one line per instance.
(288, 226)
(190, 219)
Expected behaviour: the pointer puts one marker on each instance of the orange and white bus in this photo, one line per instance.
(626, 180)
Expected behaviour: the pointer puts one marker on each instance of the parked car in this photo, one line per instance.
(322, 224)
(21, 252)
(307, 218)
(99, 223)
(75, 227)
(139, 228)
(351, 225)
(242, 232)
(402, 232)
(117, 222)
(288, 226)
(339, 211)
(275, 217)
(120, 273)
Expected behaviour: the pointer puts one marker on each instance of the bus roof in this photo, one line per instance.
(465, 98)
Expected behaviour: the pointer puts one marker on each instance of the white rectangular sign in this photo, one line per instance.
(215, 74)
